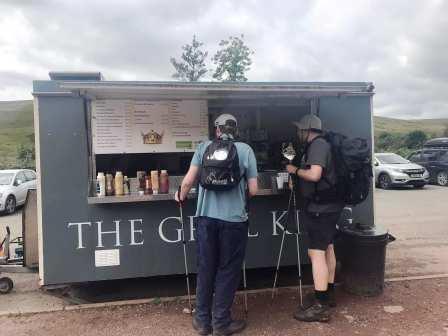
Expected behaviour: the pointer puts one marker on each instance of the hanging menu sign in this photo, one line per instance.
(144, 126)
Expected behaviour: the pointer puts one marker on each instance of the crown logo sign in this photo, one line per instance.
(152, 138)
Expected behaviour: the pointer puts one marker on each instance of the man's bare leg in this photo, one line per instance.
(320, 269)
(331, 263)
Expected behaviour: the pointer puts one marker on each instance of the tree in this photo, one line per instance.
(388, 142)
(445, 131)
(233, 60)
(415, 139)
(25, 156)
(192, 65)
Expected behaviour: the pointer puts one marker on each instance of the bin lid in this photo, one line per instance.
(365, 231)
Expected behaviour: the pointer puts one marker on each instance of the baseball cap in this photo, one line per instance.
(309, 121)
(226, 120)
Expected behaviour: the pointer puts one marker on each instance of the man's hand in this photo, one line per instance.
(291, 169)
(176, 196)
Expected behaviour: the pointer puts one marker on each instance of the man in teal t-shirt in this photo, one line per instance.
(221, 235)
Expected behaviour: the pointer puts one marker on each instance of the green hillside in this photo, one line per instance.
(433, 127)
(16, 129)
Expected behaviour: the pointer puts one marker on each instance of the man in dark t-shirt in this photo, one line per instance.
(317, 175)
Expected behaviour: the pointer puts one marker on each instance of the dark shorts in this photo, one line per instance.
(321, 228)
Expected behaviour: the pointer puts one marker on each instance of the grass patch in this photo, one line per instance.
(432, 127)
(16, 129)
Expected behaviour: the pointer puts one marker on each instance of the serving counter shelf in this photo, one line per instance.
(134, 198)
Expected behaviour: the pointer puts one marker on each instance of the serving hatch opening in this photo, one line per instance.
(133, 135)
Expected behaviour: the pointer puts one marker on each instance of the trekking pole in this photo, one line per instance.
(246, 309)
(246, 306)
(299, 266)
(278, 264)
(184, 243)
(281, 250)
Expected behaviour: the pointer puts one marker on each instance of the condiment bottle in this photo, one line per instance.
(148, 189)
(109, 185)
(155, 181)
(101, 184)
(140, 174)
(141, 183)
(119, 184)
(164, 187)
(126, 186)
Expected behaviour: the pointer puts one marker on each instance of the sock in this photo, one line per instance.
(321, 296)
(330, 288)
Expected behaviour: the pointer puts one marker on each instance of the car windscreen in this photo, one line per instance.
(391, 159)
(6, 178)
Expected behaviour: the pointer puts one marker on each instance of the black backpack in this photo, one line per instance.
(353, 166)
(220, 168)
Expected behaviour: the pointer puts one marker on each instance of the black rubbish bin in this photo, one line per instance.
(363, 257)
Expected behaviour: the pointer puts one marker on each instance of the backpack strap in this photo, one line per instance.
(308, 145)
(318, 196)
(306, 158)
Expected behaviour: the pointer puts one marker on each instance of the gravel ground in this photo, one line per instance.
(418, 218)
(406, 308)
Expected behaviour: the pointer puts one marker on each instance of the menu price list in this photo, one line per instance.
(126, 126)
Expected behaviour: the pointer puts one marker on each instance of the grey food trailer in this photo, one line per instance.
(85, 125)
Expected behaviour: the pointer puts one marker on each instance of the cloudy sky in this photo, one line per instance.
(399, 45)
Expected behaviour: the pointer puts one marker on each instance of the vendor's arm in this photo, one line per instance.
(313, 174)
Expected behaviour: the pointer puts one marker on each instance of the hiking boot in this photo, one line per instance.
(200, 329)
(309, 299)
(316, 313)
(332, 299)
(233, 328)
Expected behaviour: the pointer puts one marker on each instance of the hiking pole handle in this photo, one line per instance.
(178, 196)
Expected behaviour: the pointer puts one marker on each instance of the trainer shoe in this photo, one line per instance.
(200, 329)
(316, 313)
(233, 328)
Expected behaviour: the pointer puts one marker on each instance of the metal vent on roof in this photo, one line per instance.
(75, 76)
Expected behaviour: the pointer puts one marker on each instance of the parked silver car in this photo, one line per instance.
(393, 170)
(14, 186)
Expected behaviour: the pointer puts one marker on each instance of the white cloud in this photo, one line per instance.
(399, 45)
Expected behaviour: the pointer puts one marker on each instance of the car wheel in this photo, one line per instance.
(384, 181)
(10, 205)
(6, 285)
(442, 178)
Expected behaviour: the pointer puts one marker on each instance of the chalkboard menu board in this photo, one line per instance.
(144, 126)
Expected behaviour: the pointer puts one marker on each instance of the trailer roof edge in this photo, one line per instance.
(217, 86)
(111, 89)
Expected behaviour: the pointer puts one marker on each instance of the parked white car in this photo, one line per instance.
(14, 186)
(393, 170)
